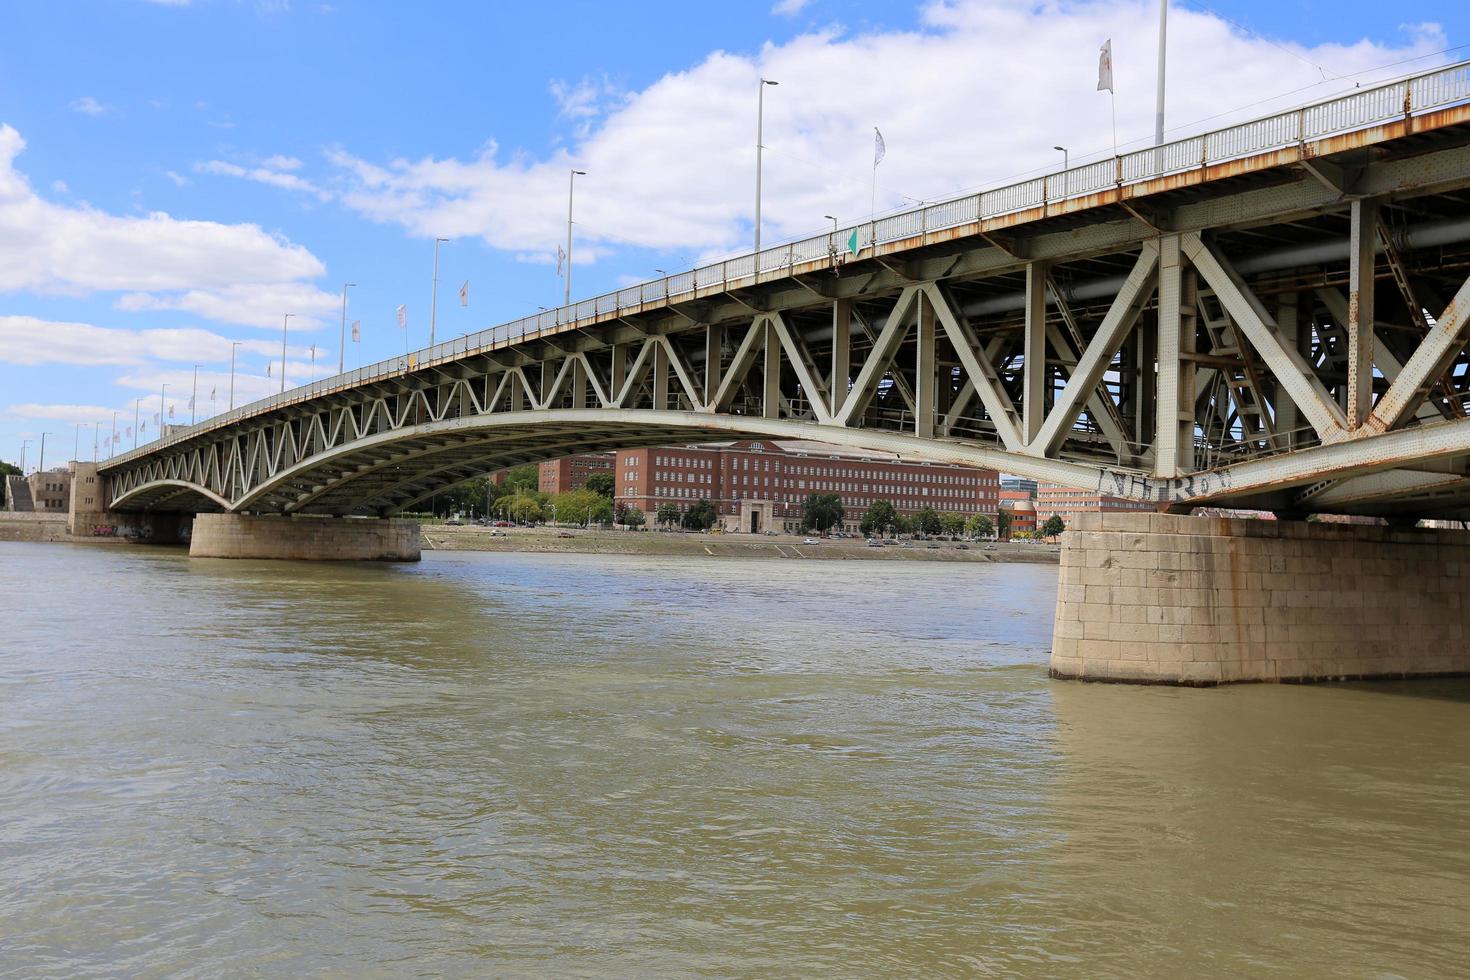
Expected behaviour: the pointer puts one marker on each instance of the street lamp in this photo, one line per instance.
(41, 460)
(571, 184)
(284, 321)
(234, 346)
(760, 121)
(434, 299)
(162, 415)
(23, 444)
(1066, 157)
(341, 340)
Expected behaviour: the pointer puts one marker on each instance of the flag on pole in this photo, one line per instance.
(403, 317)
(561, 257)
(142, 427)
(852, 242)
(464, 294)
(191, 402)
(170, 411)
(1105, 67)
(880, 149)
(313, 352)
(267, 369)
(213, 392)
(357, 331)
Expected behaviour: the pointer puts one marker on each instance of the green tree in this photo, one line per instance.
(1003, 524)
(700, 516)
(903, 525)
(527, 476)
(525, 507)
(7, 469)
(601, 484)
(821, 511)
(926, 521)
(633, 517)
(1053, 526)
(878, 518)
(667, 515)
(582, 507)
(952, 524)
(980, 526)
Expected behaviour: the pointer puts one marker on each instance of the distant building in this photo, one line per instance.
(1068, 503)
(571, 472)
(1017, 485)
(758, 485)
(1022, 511)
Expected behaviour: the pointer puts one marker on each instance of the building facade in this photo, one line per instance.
(761, 485)
(1068, 503)
(50, 490)
(571, 472)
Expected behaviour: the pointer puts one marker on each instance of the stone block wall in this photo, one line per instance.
(304, 538)
(1155, 598)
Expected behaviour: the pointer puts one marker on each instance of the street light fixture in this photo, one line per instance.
(1066, 157)
(234, 346)
(571, 185)
(284, 321)
(760, 122)
(341, 341)
(434, 299)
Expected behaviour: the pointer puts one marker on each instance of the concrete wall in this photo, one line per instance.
(32, 526)
(1153, 598)
(304, 538)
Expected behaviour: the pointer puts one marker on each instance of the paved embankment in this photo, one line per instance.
(470, 538)
(32, 526)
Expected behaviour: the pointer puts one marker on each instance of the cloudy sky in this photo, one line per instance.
(176, 175)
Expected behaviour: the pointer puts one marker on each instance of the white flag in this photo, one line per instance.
(170, 411)
(1105, 66)
(357, 331)
(880, 149)
(403, 317)
(130, 432)
(561, 257)
(191, 401)
(267, 369)
(212, 393)
(464, 294)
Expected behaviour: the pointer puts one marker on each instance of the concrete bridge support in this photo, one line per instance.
(1160, 599)
(304, 538)
(88, 516)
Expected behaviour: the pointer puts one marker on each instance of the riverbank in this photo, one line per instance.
(439, 537)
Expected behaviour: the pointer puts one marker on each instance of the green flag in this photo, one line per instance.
(852, 245)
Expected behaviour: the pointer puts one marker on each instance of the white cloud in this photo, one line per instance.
(88, 106)
(53, 248)
(29, 341)
(59, 186)
(84, 414)
(979, 94)
(250, 305)
(262, 175)
(279, 162)
(179, 179)
(789, 8)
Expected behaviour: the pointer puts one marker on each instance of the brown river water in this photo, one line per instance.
(575, 765)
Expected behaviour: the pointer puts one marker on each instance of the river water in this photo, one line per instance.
(532, 765)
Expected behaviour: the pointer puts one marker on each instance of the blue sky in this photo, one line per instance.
(176, 176)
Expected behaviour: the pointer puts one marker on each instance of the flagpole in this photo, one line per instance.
(233, 347)
(434, 299)
(194, 397)
(1113, 102)
(284, 320)
(342, 341)
(136, 403)
(571, 185)
(96, 428)
(162, 415)
(1163, 48)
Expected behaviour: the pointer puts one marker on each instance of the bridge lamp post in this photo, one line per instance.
(433, 299)
(23, 444)
(760, 123)
(234, 346)
(284, 321)
(832, 242)
(1066, 165)
(571, 186)
(342, 339)
(137, 404)
(96, 430)
(76, 441)
(162, 415)
(41, 460)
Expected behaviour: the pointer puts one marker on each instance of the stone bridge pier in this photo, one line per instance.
(305, 538)
(1162, 599)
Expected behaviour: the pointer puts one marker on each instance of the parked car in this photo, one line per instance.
(874, 543)
(504, 524)
(962, 547)
(454, 522)
(810, 541)
(565, 534)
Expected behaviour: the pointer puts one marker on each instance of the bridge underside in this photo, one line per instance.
(1285, 332)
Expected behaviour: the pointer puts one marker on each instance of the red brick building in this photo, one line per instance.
(571, 472)
(755, 485)
(1068, 502)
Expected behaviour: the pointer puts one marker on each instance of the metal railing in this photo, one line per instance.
(1361, 109)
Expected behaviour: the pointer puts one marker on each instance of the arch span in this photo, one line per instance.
(170, 496)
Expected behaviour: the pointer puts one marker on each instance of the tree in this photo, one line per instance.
(667, 515)
(601, 484)
(700, 516)
(525, 508)
(879, 517)
(952, 524)
(1003, 524)
(7, 469)
(1054, 526)
(821, 511)
(527, 476)
(903, 525)
(926, 521)
(582, 507)
(632, 517)
(980, 526)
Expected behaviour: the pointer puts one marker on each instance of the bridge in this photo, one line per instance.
(1271, 316)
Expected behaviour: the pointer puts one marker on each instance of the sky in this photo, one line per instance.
(178, 175)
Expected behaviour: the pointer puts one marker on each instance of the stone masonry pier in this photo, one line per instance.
(1161, 599)
(304, 538)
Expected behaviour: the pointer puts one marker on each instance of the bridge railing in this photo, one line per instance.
(1360, 109)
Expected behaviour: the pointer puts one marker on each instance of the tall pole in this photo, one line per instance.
(137, 402)
(1163, 48)
(76, 442)
(234, 346)
(96, 429)
(193, 396)
(284, 320)
(342, 341)
(433, 300)
(162, 413)
(113, 436)
(571, 185)
(23, 444)
(760, 124)
(41, 461)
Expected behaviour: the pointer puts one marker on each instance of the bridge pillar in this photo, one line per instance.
(87, 515)
(1164, 599)
(304, 538)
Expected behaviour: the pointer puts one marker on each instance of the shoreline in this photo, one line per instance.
(439, 537)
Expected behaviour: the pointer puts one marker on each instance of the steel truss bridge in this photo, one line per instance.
(1272, 315)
